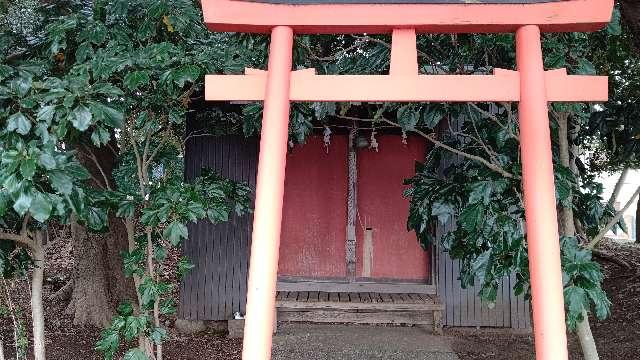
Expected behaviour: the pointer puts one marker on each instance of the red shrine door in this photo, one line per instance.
(313, 241)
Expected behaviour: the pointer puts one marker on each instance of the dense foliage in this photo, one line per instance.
(121, 75)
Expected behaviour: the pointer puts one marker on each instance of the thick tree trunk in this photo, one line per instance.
(90, 298)
(37, 309)
(98, 283)
(567, 227)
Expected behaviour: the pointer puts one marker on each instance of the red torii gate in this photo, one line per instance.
(530, 85)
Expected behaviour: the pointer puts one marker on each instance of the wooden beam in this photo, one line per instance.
(247, 16)
(503, 86)
(344, 305)
(376, 287)
(341, 316)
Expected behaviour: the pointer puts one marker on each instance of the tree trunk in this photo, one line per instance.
(90, 298)
(37, 309)
(583, 329)
(587, 343)
(98, 282)
(635, 231)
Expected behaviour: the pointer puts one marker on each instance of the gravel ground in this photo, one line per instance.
(353, 342)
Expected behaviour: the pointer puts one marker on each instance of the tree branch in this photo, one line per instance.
(95, 161)
(438, 143)
(614, 220)
(618, 187)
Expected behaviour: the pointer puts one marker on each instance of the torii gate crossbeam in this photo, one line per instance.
(530, 85)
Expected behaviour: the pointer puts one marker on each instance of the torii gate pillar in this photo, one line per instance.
(539, 199)
(265, 243)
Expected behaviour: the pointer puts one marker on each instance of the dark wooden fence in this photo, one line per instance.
(463, 307)
(217, 287)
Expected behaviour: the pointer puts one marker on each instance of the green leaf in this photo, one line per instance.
(134, 325)
(18, 123)
(46, 113)
(135, 354)
(97, 218)
(47, 161)
(84, 51)
(5, 71)
(175, 232)
(109, 343)
(61, 182)
(443, 211)
(432, 115)
(480, 192)
(28, 168)
(602, 304)
(614, 27)
(81, 117)
(76, 171)
(106, 114)
(407, 117)
(585, 67)
(471, 217)
(41, 207)
(3, 206)
(125, 309)
(574, 298)
(218, 214)
(22, 84)
(100, 136)
(126, 209)
(107, 89)
(188, 73)
(480, 265)
(134, 79)
(184, 265)
(12, 184)
(23, 203)
(167, 306)
(159, 253)
(158, 335)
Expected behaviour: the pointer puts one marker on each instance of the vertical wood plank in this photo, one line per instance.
(216, 288)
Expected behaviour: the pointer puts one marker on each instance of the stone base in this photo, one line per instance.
(235, 328)
(190, 326)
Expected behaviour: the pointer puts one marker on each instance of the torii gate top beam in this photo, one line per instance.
(437, 16)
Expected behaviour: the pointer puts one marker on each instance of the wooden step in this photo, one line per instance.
(360, 308)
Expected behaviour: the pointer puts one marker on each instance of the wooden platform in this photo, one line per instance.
(360, 308)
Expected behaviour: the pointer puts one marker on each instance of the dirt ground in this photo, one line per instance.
(618, 337)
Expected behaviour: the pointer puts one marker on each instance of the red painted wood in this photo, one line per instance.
(246, 16)
(315, 210)
(396, 252)
(504, 86)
